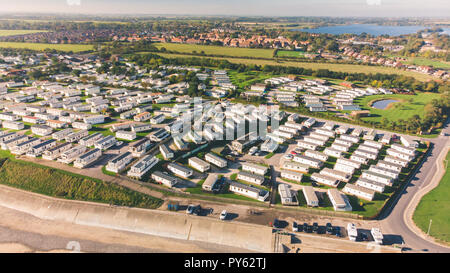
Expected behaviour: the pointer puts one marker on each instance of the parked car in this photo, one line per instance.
(329, 228)
(197, 210)
(315, 227)
(253, 150)
(119, 143)
(190, 209)
(288, 156)
(337, 231)
(223, 215)
(306, 228)
(298, 150)
(276, 223)
(294, 227)
(293, 153)
(364, 237)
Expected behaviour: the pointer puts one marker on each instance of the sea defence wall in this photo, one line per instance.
(153, 222)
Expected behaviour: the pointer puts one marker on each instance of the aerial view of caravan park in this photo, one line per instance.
(251, 127)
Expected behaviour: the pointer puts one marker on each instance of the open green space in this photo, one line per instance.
(290, 53)
(435, 206)
(39, 46)
(217, 50)
(10, 32)
(61, 184)
(406, 107)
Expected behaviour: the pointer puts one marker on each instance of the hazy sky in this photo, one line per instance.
(398, 8)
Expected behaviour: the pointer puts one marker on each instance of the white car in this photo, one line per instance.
(223, 215)
(288, 156)
(253, 150)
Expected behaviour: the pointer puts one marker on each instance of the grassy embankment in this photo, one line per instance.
(61, 184)
(435, 206)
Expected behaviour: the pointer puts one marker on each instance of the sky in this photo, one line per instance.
(334, 8)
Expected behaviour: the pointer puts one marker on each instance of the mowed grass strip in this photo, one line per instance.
(41, 47)
(57, 183)
(406, 107)
(11, 32)
(435, 206)
(218, 50)
(349, 68)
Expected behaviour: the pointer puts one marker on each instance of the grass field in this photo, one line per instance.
(218, 50)
(349, 68)
(10, 32)
(62, 184)
(290, 53)
(428, 62)
(39, 47)
(406, 107)
(435, 206)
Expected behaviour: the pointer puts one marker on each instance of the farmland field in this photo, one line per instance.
(290, 53)
(218, 50)
(349, 68)
(435, 206)
(38, 46)
(9, 32)
(406, 107)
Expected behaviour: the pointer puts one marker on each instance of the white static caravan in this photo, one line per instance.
(291, 175)
(287, 196)
(332, 152)
(307, 145)
(216, 160)
(70, 155)
(314, 163)
(164, 179)
(127, 135)
(254, 168)
(388, 172)
(310, 196)
(360, 192)
(351, 138)
(251, 177)
(139, 147)
(119, 162)
(199, 164)
(180, 170)
(359, 158)
(340, 147)
(317, 155)
(341, 176)
(87, 158)
(404, 149)
(166, 152)
(377, 177)
(323, 179)
(372, 185)
(142, 166)
(75, 136)
(55, 152)
(105, 143)
(366, 154)
(295, 166)
(398, 154)
(249, 191)
(339, 201)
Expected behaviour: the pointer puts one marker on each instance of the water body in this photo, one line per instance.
(382, 104)
(375, 30)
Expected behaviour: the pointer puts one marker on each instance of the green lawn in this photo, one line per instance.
(10, 32)
(428, 62)
(290, 53)
(39, 46)
(435, 206)
(406, 107)
(246, 79)
(218, 50)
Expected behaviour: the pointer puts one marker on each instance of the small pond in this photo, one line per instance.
(382, 104)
